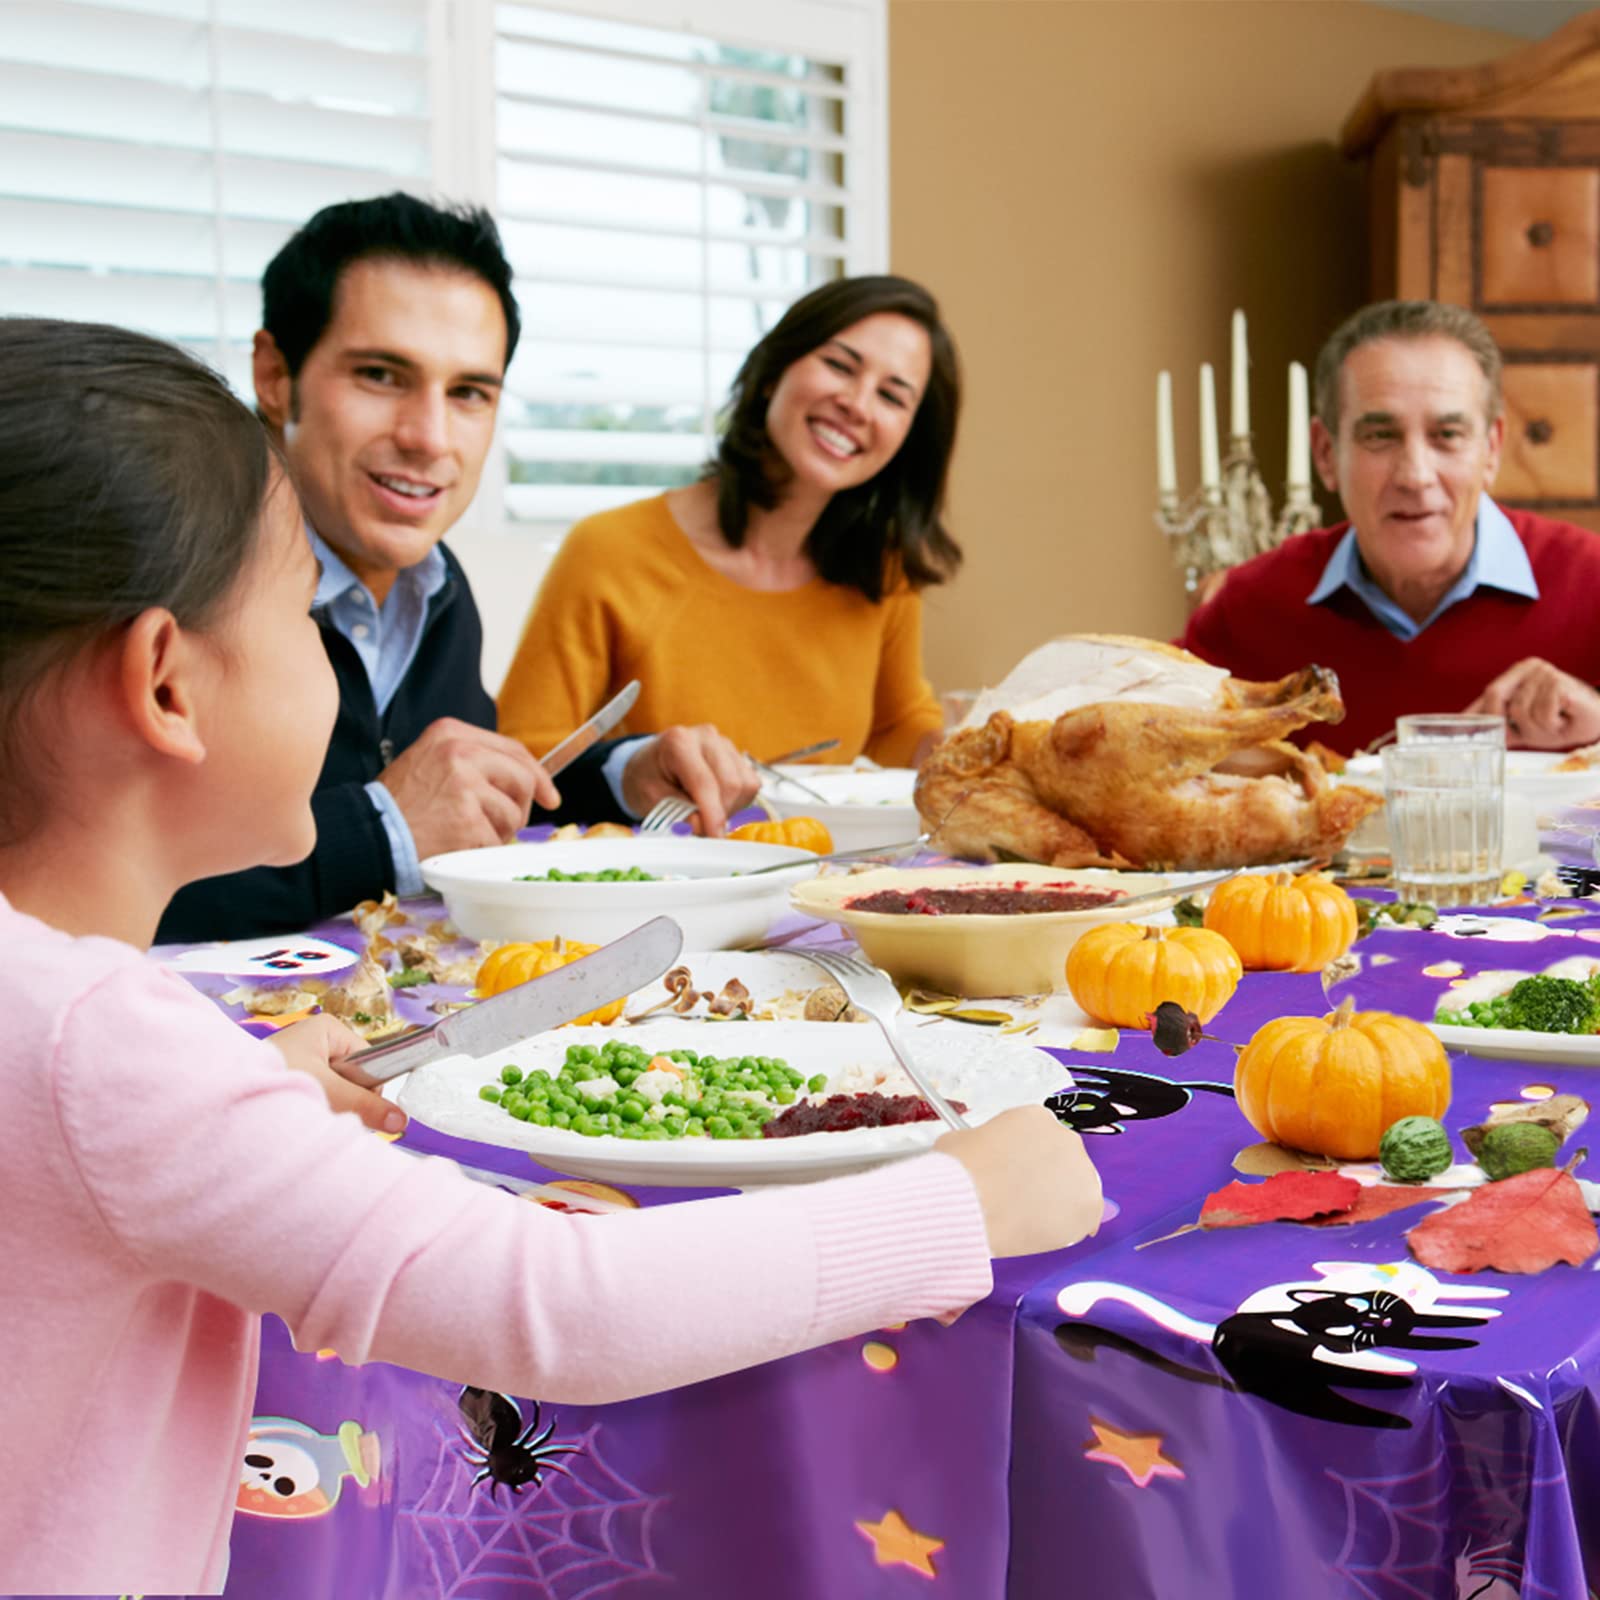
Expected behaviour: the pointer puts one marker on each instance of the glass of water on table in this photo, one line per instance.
(1444, 783)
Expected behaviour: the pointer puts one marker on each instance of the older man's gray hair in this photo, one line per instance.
(1405, 319)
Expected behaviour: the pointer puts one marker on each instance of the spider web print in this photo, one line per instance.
(577, 1536)
(1395, 1528)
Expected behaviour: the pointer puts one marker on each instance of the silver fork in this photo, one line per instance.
(664, 814)
(874, 994)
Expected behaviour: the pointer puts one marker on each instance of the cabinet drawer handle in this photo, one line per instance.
(1539, 431)
(1540, 234)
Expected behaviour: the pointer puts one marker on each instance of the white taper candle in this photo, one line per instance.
(1166, 457)
(1210, 461)
(1299, 429)
(1240, 391)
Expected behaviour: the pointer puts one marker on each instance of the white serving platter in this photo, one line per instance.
(987, 1073)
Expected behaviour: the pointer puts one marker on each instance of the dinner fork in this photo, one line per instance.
(870, 991)
(665, 814)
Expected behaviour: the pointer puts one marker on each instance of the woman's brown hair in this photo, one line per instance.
(892, 525)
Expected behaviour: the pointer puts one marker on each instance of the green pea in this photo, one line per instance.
(561, 1119)
(490, 1093)
(510, 1075)
(632, 1111)
(817, 1083)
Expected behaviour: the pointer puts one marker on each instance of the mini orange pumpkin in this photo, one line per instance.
(512, 964)
(1280, 923)
(1120, 972)
(802, 833)
(1331, 1085)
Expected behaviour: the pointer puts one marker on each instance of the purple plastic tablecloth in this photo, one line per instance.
(1138, 1416)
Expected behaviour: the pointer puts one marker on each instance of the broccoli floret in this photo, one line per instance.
(1553, 1005)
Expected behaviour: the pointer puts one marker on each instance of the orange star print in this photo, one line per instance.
(1138, 1454)
(895, 1540)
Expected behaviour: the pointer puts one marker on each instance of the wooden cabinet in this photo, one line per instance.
(1485, 192)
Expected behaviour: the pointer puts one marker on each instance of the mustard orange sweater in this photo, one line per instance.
(628, 597)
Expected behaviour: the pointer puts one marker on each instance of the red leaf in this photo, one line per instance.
(1378, 1200)
(1284, 1197)
(1521, 1224)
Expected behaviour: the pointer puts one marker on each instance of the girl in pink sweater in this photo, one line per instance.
(165, 703)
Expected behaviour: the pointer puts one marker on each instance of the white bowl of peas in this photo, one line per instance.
(598, 889)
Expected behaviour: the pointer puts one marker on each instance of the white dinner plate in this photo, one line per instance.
(987, 1073)
(1517, 1044)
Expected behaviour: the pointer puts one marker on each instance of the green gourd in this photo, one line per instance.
(1415, 1149)
(1512, 1147)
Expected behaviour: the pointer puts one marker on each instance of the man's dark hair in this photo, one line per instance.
(894, 523)
(298, 287)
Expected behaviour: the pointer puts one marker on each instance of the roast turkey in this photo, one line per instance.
(1105, 751)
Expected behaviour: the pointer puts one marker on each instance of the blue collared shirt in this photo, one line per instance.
(1498, 561)
(387, 639)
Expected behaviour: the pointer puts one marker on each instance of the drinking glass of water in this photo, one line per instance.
(1445, 800)
(1429, 728)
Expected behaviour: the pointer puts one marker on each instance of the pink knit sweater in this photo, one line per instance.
(166, 1178)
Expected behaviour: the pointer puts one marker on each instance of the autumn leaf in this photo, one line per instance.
(1264, 1159)
(1284, 1197)
(1378, 1200)
(1098, 1039)
(1520, 1224)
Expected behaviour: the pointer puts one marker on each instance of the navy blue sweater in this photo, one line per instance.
(352, 861)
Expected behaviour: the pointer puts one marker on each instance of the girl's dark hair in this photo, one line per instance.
(892, 524)
(130, 478)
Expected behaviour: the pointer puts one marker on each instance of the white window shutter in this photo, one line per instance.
(664, 193)
(155, 154)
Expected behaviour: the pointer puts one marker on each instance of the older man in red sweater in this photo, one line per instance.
(1431, 598)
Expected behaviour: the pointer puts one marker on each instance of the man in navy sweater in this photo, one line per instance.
(388, 326)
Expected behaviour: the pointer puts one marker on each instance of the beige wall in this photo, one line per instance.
(1090, 187)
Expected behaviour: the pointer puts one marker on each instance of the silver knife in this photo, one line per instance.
(592, 731)
(803, 752)
(611, 973)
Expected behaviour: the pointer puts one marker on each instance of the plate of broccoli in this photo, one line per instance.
(1549, 1016)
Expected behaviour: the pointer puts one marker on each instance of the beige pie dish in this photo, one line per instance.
(974, 954)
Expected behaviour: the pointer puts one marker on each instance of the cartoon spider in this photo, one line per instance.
(511, 1454)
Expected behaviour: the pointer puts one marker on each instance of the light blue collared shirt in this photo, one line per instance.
(1498, 561)
(387, 639)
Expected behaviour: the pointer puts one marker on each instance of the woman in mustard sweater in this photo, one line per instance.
(777, 597)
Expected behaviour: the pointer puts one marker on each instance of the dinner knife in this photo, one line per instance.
(592, 731)
(611, 973)
(804, 751)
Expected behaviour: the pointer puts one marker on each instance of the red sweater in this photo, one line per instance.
(1259, 627)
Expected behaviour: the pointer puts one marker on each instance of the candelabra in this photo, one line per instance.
(1219, 526)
